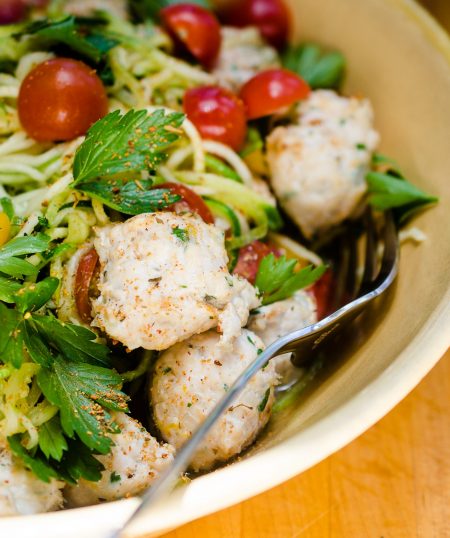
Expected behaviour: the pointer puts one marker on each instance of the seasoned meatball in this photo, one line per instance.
(279, 319)
(163, 278)
(243, 54)
(318, 166)
(135, 461)
(21, 492)
(191, 377)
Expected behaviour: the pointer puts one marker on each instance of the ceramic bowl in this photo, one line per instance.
(400, 58)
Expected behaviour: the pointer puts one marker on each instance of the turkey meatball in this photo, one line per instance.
(243, 54)
(135, 461)
(190, 379)
(163, 278)
(318, 165)
(279, 319)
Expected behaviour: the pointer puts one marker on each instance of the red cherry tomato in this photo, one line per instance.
(83, 278)
(271, 91)
(270, 16)
(218, 114)
(12, 11)
(249, 259)
(322, 292)
(196, 28)
(60, 99)
(190, 201)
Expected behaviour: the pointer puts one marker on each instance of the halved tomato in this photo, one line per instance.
(83, 278)
(250, 258)
(190, 201)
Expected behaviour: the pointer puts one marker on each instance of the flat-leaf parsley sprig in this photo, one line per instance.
(120, 148)
(277, 279)
(73, 373)
(126, 143)
(389, 189)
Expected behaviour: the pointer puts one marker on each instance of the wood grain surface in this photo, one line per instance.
(392, 482)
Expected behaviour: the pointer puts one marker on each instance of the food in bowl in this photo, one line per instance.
(146, 167)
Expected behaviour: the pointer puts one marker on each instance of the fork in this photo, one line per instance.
(351, 298)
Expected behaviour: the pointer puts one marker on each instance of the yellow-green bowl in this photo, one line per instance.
(400, 58)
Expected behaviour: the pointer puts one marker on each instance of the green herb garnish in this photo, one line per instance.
(264, 401)
(391, 191)
(11, 262)
(277, 279)
(114, 477)
(124, 144)
(320, 69)
(79, 35)
(181, 233)
(131, 197)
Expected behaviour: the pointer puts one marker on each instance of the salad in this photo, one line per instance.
(153, 156)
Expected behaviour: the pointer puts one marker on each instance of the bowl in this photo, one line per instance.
(400, 58)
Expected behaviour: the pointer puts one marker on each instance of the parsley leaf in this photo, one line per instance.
(11, 336)
(114, 477)
(181, 233)
(126, 143)
(32, 296)
(12, 265)
(77, 461)
(263, 403)
(51, 439)
(254, 142)
(37, 463)
(7, 206)
(46, 336)
(129, 197)
(277, 279)
(389, 191)
(69, 32)
(82, 392)
(320, 69)
(74, 341)
(8, 289)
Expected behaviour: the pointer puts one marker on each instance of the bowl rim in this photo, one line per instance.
(299, 452)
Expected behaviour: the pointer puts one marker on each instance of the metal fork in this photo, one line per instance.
(303, 344)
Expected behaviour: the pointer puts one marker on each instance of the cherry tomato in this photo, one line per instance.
(322, 292)
(196, 28)
(12, 11)
(270, 16)
(60, 99)
(249, 259)
(218, 114)
(272, 90)
(190, 201)
(83, 278)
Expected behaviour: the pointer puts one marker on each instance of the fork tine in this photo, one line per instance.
(390, 253)
(345, 278)
(351, 280)
(370, 253)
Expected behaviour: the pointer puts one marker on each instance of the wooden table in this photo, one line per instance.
(392, 482)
